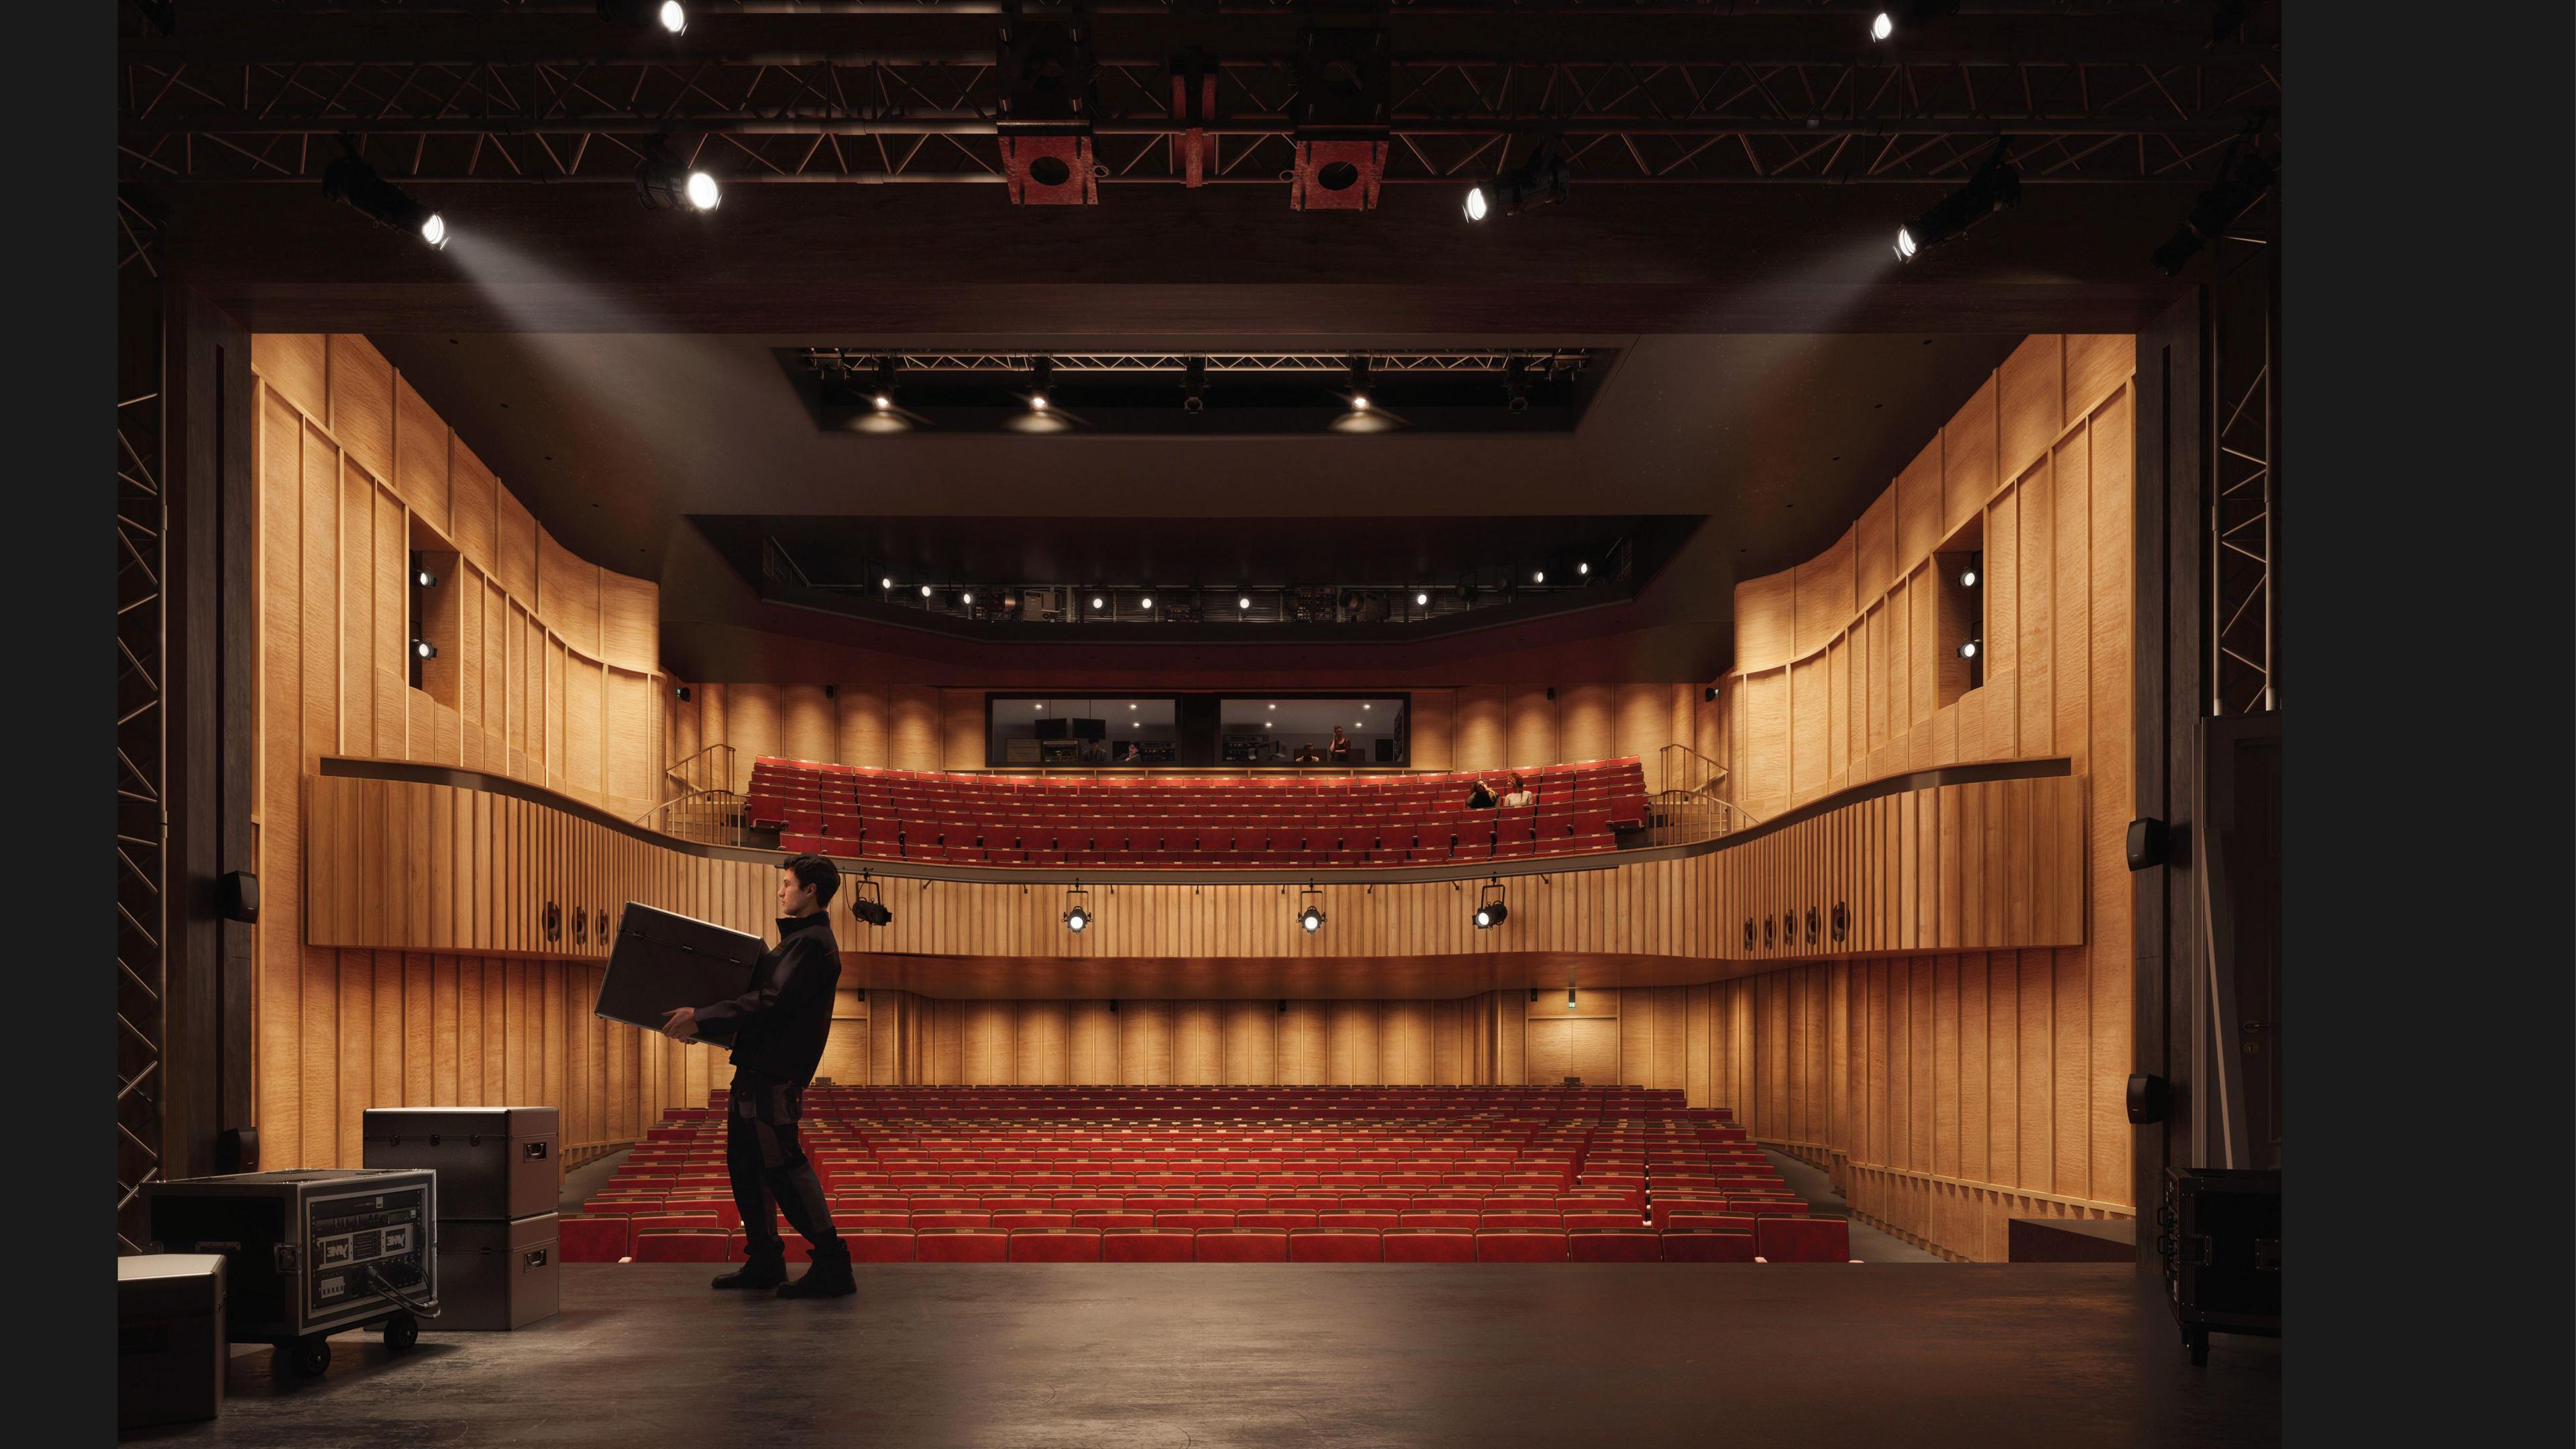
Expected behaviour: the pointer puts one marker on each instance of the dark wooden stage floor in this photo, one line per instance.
(2067, 1356)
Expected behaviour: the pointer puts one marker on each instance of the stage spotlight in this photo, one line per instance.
(1077, 910)
(1541, 178)
(1421, 601)
(1040, 371)
(1708, 694)
(1968, 650)
(1906, 14)
(1147, 601)
(1194, 385)
(1583, 570)
(1516, 384)
(2241, 182)
(967, 599)
(1968, 577)
(1538, 576)
(683, 693)
(884, 401)
(1569, 996)
(665, 186)
(1311, 917)
(424, 649)
(867, 906)
(357, 183)
(885, 583)
(1490, 909)
(668, 16)
(1996, 186)
(925, 591)
(1099, 603)
(1243, 602)
(1359, 394)
(425, 578)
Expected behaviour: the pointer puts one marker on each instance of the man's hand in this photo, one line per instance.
(682, 1024)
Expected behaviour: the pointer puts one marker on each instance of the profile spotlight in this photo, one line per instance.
(424, 649)
(1077, 910)
(1147, 601)
(1194, 385)
(885, 583)
(357, 183)
(1968, 650)
(867, 906)
(1908, 13)
(1968, 577)
(1490, 910)
(1359, 385)
(966, 599)
(1569, 996)
(665, 186)
(1541, 178)
(2241, 182)
(425, 578)
(668, 16)
(1583, 570)
(1099, 603)
(1243, 601)
(1310, 919)
(925, 591)
(1516, 384)
(1421, 601)
(1996, 186)
(1039, 371)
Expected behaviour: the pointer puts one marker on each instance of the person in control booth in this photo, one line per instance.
(778, 1028)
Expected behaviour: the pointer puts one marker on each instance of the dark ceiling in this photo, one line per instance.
(1776, 364)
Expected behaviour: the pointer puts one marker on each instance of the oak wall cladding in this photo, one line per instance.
(356, 475)
(1951, 1090)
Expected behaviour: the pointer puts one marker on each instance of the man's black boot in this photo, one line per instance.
(827, 1277)
(759, 1272)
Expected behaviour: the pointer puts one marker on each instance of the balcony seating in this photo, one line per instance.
(1499, 1175)
(1188, 822)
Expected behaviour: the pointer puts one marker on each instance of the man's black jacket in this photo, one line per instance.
(779, 1025)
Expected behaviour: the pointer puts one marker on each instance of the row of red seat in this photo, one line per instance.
(1184, 822)
(1775, 1240)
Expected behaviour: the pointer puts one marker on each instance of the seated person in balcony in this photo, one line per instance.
(1520, 796)
(1480, 796)
(1340, 748)
(1135, 754)
(1307, 755)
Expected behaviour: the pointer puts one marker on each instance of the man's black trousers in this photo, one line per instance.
(768, 1166)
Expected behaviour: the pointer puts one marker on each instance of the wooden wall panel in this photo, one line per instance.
(1478, 730)
(961, 729)
(861, 716)
(1919, 501)
(1587, 1048)
(2030, 403)
(751, 724)
(1968, 460)
(808, 723)
(515, 548)
(1592, 716)
(1529, 724)
(1428, 729)
(912, 728)
(568, 595)
(630, 622)
(420, 456)
(2096, 367)
(1766, 625)
(361, 415)
(297, 366)
(1823, 596)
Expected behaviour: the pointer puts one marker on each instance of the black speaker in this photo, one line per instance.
(2147, 840)
(237, 897)
(2150, 1099)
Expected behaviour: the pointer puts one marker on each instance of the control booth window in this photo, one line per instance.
(1078, 730)
(1289, 731)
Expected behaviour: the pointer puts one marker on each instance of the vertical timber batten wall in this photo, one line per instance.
(1950, 1091)
(547, 671)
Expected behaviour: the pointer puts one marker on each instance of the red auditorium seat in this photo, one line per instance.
(1242, 1245)
(1803, 1240)
(1055, 1245)
(1696, 1246)
(1618, 1245)
(682, 1245)
(1427, 1245)
(1333, 1245)
(1518, 1246)
(873, 1246)
(1147, 1245)
(593, 1240)
(960, 1245)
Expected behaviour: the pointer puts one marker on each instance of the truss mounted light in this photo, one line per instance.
(1491, 909)
(1907, 14)
(1995, 186)
(1310, 915)
(868, 904)
(1077, 910)
(1040, 370)
(668, 16)
(1542, 178)
(666, 185)
(352, 180)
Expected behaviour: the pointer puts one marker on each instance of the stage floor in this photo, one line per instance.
(1050, 1356)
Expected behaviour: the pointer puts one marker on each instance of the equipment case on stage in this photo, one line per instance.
(497, 1275)
(171, 1347)
(662, 961)
(492, 1162)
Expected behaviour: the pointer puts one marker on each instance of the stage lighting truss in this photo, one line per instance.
(1310, 912)
(2088, 99)
(1491, 909)
(867, 902)
(1077, 910)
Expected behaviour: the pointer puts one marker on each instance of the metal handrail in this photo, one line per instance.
(709, 817)
(692, 778)
(1691, 807)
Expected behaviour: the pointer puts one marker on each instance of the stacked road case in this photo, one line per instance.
(500, 1181)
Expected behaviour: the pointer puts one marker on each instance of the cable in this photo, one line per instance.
(376, 1284)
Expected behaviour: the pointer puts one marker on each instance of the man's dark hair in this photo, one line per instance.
(815, 871)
